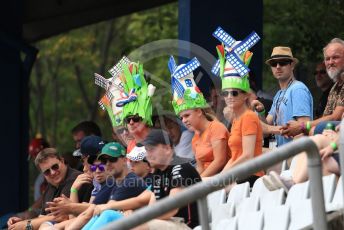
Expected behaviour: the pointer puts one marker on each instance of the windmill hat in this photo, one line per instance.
(281, 52)
(186, 95)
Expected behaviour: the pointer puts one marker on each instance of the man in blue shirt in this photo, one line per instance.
(292, 102)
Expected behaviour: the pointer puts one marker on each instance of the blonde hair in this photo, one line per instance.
(209, 114)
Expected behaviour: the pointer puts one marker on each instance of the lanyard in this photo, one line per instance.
(280, 99)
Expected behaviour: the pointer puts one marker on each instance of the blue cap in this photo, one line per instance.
(91, 145)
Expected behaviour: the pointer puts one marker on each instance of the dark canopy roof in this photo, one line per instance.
(45, 18)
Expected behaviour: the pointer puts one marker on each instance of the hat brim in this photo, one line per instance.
(295, 60)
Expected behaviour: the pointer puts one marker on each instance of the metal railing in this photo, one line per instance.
(199, 191)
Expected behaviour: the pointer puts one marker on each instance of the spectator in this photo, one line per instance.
(60, 177)
(292, 102)
(334, 61)
(83, 129)
(139, 164)
(324, 83)
(245, 140)
(210, 139)
(181, 137)
(176, 176)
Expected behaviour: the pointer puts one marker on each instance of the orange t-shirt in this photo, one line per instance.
(201, 144)
(247, 124)
(131, 145)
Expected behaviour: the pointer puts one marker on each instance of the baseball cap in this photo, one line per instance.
(137, 154)
(90, 146)
(112, 149)
(157, 136)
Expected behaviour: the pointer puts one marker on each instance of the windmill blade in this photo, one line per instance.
(117, 69)
(101, 81)
(172, 66)
(224, 37)
(237, 64)
(177, 87)
(247, 43)
(216, 68)
(187, 68)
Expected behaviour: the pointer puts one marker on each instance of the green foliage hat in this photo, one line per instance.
(234, 58)
(186, 94)
(137, 94)
(114, 90)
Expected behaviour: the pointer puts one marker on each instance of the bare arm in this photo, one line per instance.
(128, 204)
(220, 152)
(335, 116)
(173, 212)
(248, 146)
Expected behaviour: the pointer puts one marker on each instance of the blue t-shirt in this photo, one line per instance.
(131, 186)
(290, 103)
(102, 191)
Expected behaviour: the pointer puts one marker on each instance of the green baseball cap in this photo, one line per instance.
(113, 149)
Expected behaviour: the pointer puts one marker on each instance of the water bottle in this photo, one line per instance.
(330, 126)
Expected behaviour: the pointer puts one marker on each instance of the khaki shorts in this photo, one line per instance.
(174, 223)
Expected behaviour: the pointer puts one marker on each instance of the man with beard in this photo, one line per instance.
(334, 62)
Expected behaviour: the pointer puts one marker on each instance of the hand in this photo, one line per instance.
(291, 129)
(257, 106)
(18, 226)
(98, 209)
(13, 220)
(332, 135)
(82, 179)
(326, 152)
(59, 206)
(128, 213)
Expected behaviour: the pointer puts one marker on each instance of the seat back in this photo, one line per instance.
(298, 192)
(277, 217)
(238, 193)
(272, 199)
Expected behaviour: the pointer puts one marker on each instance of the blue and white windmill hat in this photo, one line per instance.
(186, 94)
(234, 58)
(114, 91)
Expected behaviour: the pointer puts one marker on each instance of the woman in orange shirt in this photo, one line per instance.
(210, 140)
(245, 140)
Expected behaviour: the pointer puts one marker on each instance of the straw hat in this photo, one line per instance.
(281, 52)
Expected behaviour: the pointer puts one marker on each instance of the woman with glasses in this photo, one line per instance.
(210, 139)
(245, 140)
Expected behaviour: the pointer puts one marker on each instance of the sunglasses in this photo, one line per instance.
(132, 118)
(320, 72)
(233, 93)
(280, 62)
(109, 159)
(54, 167)
(101, 167)
(121, 130)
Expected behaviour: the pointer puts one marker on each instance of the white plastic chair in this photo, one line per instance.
(223, 211)
(216, 198)
(258, 188)
(272, 199)
(251, 220)
(249, 204)
(329, 185)
(238, 193)
(298, 192)
(337, 201)
(277, 218)
(227, 224)
(301, 214)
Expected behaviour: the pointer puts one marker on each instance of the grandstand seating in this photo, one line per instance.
(263, 209)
